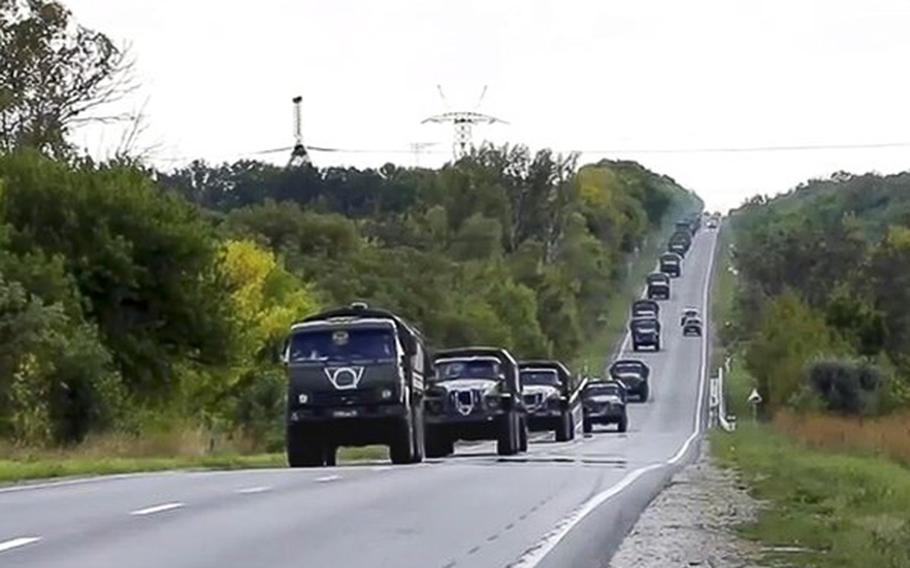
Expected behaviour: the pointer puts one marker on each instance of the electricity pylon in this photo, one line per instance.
(463, 122)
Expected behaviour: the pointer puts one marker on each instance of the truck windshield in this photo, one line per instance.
(468, 369)
(540, 377)
(622, 369)
(342, 345)
(602, 390)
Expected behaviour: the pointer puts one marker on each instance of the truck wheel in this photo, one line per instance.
(419, 434)
(644, 392)
(587, 427)
(401, 449)
(634, 347)
(623, 424)
(507, 442)
(523, 435)
(303, 449)
(564, 431)
(331, 454)
(437, 446)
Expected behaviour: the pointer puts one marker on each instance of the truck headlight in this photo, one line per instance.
(386, 394)
(303, 398)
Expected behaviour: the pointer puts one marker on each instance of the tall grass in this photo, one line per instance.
(887, 436)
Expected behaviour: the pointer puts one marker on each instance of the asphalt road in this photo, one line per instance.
(561, 504)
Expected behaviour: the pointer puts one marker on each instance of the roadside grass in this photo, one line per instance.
(823, 509)
(18, 465)
(723, 293)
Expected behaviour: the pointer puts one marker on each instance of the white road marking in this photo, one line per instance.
(81, 481)
(381, 468)
(327, 478)
(252, 490)
(157, 509)
(17, 542)
(533, 556)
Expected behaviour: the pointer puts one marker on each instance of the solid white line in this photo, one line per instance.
(533, 556)
(251, 490)
(157, 509)
(17, 542)
(83, 481)
(327, 478)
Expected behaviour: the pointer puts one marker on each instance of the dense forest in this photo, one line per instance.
(824, 294)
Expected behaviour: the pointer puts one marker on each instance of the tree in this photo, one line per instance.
(53, 74)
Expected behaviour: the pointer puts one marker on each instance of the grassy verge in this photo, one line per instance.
(76, 463)
(824, 509)
(723, 289)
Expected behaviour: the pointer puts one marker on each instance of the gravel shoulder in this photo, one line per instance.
(693, 521)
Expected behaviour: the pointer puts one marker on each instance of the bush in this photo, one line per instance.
(846, 386)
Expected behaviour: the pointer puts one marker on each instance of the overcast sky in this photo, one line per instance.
(568, 74)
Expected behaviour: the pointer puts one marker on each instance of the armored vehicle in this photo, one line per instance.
(658, 286)
(634, 375)
(356, 376)
(645, 333)
(671, 264)
(475, 395)
(551, 396)
(604, 402)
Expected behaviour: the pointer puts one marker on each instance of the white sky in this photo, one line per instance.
(566, 74)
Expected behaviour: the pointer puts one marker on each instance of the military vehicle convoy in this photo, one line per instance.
(356, 376)
(551, 396)
(680, 242)
(475, 394)
(604, 402)
(658, 286)
(671, 264)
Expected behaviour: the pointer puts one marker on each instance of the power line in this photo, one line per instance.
(748, 149)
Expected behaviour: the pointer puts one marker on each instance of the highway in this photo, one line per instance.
(559, 505)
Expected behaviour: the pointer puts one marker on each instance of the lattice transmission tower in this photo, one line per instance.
(463, 122)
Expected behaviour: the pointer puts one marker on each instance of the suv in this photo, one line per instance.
(658, 286)
(645, 308)
(645, 333)
(671, 263)
(475, 395)
(550, 394)
(692, 326)
(604, 402)
(355, 377)
(633, 374)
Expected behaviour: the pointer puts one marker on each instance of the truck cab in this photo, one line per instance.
(550, 394)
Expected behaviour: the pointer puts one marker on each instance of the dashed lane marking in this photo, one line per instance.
(157, 509)
(18, 542)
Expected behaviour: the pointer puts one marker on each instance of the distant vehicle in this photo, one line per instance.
(475, 395)
(692, 326)
(645, 308)
(711, 223)
(604, 402)
(671, 263)
(658, 286)
(645, 333)
(685, 226)
(551, 396)
(688, 313)
(356, 376)
(678, 248)
(634, 375)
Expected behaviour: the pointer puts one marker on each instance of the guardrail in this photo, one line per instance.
(718, 405)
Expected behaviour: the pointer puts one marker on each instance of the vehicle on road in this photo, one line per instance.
(680, 242)
(687, 313)
(645, 308)
(658, 286)
(671, 264)
(645, 333)
(475, 394)
(604, 402)
(711, 223)
(551, 397)
(692, 326)
(634, 376)
(356, 376)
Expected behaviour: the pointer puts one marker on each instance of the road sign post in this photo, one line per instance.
(754, 399)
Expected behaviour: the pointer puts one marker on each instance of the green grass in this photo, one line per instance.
(723, 291)
(60, 464)
(839, 510)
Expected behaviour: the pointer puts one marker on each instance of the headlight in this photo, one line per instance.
(386, 394)
(493, 400)
(303, 398)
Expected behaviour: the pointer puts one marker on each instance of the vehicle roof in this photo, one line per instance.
(358, 312)
(655, 276)
(629, 362)
(670, 255)
(645, 320)
(547, 364)
(476, 352)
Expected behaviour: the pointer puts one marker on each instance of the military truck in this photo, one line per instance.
(356, 376)
(645, 333)
(658, 286)
(604, 402)
(645, 308)
(671, 264)
(475, 395)
(680, 242)
(634, 375)
(551, 395)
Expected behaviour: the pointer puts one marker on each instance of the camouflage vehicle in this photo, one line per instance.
(671, 264)
(604, 402)
(551, 395)
(658, 286)
(475, 395)
(356, 376)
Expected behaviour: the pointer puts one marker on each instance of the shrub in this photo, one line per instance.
(846, 386)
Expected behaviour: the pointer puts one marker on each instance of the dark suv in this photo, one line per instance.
(355, 377)
(550, 394)
(604, 402)
(645, 333)
(658, 286)
(475, 395)
(634, 375)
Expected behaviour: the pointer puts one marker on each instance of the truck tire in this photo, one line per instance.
(331, 455)
(437, 444)
(644, 391)
(401, 447)
(623, 424)
(523, 435)
(587, 427)
(419, 434)
(507, 443)
(565, 431)
(303, 449)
